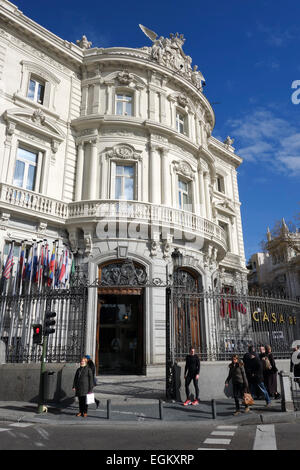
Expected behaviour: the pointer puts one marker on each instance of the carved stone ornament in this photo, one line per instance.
(182, 100)
(168, 52)
(124, 152)
(84, 43)
(123, 274)
(38, 117)
(125, 78)
(184, 169)
(228, 141)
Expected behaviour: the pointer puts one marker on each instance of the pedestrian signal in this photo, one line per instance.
(37, 334)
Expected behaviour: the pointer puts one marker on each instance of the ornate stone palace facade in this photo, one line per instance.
(111, 152)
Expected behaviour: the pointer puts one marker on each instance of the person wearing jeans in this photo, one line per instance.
(191, 373)
(257, 378)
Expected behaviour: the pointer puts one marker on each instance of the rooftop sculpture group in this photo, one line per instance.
(168, 52)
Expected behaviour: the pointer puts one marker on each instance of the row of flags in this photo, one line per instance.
(39, 265)
(229, 306)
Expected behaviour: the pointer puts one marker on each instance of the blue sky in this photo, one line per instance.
(247, 51)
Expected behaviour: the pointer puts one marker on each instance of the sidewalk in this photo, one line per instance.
(136, 400)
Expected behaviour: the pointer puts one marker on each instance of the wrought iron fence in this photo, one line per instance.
(20, 312)
(219, 324)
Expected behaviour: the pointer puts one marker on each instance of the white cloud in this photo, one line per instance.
(264, 137)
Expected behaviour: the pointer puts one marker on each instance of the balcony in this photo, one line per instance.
(158, 217)
(181, 224)
(32, 204)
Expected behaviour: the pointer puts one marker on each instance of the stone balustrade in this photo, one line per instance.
(29, 202)
(147, 213)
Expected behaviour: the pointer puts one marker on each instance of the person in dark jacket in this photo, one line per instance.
(257, 378)
(295, 368)
(239, 380)
(247, 361)
(93, 369)
(191, 373)
(82, 385)
(270, 375)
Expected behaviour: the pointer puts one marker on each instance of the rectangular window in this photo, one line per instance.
(124, 105)
(220, 185)
(124, 183)
(184, 199)
(25, 169)
(180, 121)
(36, 90)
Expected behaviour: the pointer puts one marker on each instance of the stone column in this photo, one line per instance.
(104, 178)
(96, 98)
(93, 194)
(79, 171)
(6, 156)
(109, 98)
(207, 195)
(84, 100)
(166, 195)
(201, 192)
(155, 175)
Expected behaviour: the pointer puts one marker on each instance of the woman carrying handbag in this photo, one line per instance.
(83, 385)
(239, 380)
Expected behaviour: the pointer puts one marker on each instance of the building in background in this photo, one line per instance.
(278, 268)
(109, 152)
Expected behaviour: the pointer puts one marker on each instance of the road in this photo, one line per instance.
(145, 436)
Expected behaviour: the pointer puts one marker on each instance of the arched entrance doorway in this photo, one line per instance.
(188, 312)
(120, 332)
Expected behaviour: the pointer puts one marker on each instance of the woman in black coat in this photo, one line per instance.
(83, 384)
(239, 380)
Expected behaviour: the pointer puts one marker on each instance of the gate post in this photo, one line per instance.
(287, 403)
(169, 354)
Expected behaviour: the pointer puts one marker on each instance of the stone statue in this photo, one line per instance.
(168, 52)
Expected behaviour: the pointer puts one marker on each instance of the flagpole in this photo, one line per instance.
(10, 255)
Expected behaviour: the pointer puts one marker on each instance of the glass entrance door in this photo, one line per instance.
(119, 334)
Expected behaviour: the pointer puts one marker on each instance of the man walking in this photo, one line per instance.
(191, 373)
(257, 378)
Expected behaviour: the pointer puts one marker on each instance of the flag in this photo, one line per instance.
(28, 264)
(58, 267)
(51, 267)
(9, 264)
(46, 263)
(22, 262)
(62, 271)
(41, 264)
(35, 264)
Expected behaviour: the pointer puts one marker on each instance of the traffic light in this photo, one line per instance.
(48, 323)
(37, 334)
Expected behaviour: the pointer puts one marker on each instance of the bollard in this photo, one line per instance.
(108, 408)
(214, 409)
(161, 410)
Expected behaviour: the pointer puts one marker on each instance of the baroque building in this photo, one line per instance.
(110, 151)
(278, 268)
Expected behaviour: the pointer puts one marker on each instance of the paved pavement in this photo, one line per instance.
(136, 399)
